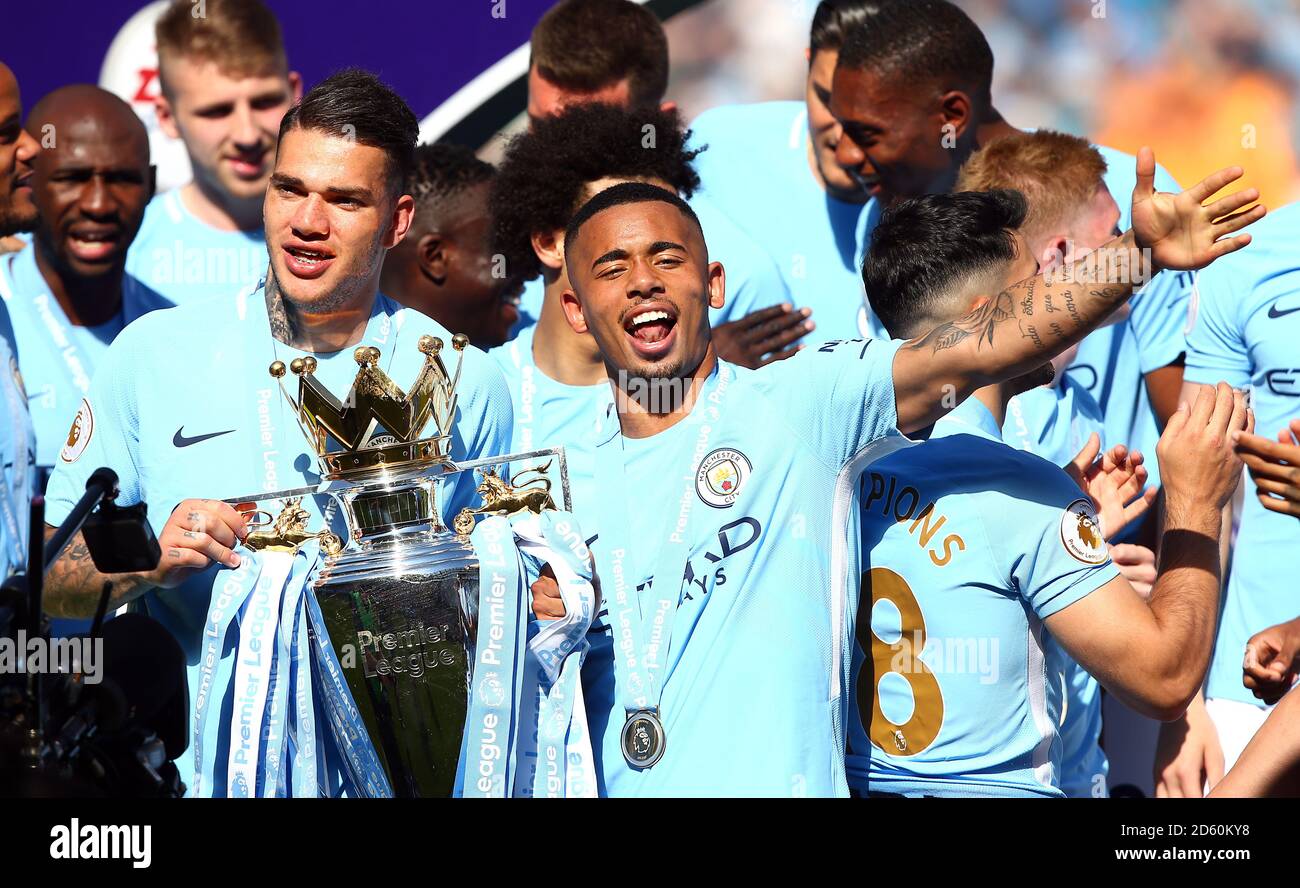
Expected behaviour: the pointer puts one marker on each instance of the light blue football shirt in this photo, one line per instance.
(756, 170)
(1054, 422)
(551, 414)
(17, 456)
(182, 406)
(1244, 329)
(1112, 362)
(58, 357)
(970, 545)
(183, 259)
(752, 280)
(753, 699)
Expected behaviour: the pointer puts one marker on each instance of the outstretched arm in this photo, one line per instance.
(1024, 326)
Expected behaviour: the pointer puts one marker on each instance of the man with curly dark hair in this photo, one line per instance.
(615, 52)
(556, 376)
(446, 267)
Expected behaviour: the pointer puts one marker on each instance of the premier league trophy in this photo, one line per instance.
(395, 610)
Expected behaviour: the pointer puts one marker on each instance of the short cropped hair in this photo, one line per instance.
(443, 171)
(623, 194)
(1057, 173)
(925, 249)
(241, 37)
(586, 45)
(833, 19)
(355, 104)
(919, 40)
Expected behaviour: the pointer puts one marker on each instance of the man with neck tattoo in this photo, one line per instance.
(182, 406)
(969, 539)
(727, 537)
(68, 295)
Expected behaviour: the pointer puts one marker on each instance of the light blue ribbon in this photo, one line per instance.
(526, 731)
(489, 747)
(559, 648)
(250, 602)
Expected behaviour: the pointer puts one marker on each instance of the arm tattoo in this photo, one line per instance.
(73, 584)
(981, 323)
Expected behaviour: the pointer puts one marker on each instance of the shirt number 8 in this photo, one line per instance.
(903, 659)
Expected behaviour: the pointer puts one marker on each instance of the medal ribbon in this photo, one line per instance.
(640, 656)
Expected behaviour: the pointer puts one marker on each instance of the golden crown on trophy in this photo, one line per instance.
(377, 425)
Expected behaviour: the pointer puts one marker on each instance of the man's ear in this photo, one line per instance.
(403, 215)
(668, 107)
(573, 310)
(549, 247)
(717, 285)
(162, 109)
(1054, 254)
(431, 256)
(295, 86)
(955, 106)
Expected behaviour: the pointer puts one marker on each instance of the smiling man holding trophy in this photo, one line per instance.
(331, 551)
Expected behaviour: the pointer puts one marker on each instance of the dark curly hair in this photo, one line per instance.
(542, 181)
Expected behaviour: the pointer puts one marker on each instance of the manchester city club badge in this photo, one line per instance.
(720, 477)
(643, 739)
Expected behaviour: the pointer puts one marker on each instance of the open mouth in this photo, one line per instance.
(306, 262)
(93, 245)
(23, 180)
(651, 329)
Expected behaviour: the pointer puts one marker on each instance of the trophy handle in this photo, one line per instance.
(251, 520)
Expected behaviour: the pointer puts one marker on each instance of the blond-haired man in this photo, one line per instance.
(226, 84)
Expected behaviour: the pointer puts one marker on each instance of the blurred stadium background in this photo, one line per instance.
(1204, 82)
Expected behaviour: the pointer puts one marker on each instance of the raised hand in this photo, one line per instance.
(1114, 482)
(1198, 464)
(1179, 231)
